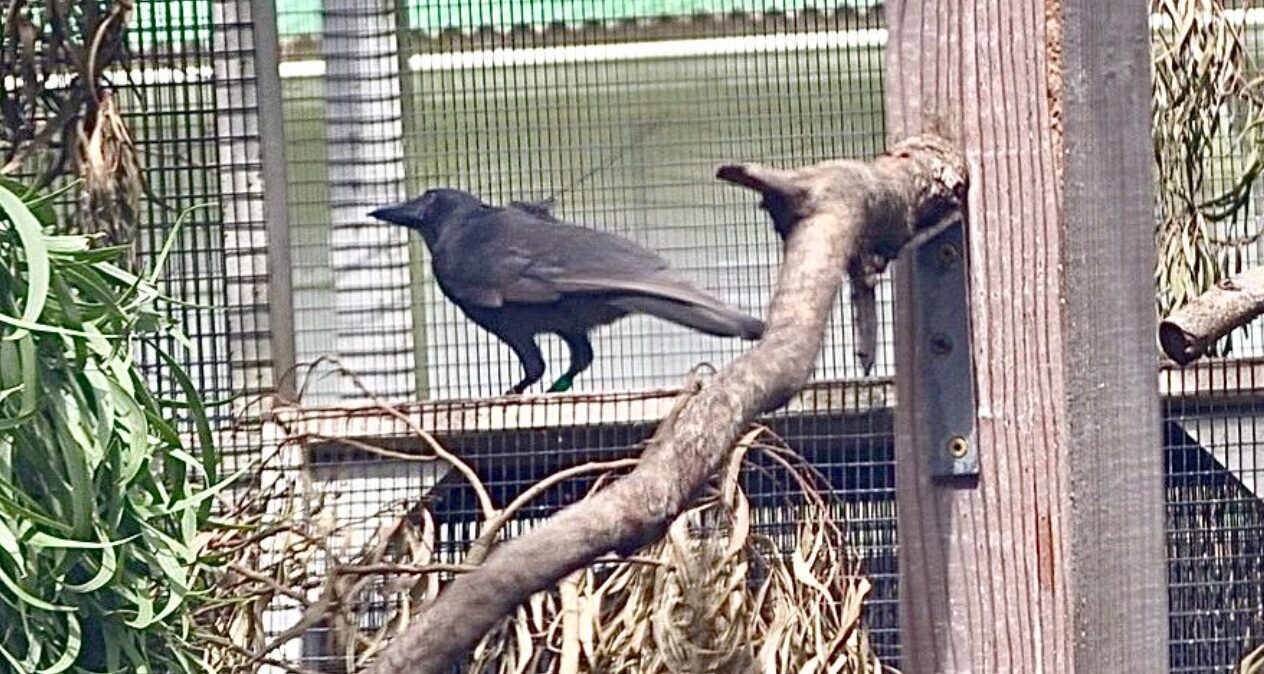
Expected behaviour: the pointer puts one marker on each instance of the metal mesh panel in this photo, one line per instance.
(1228, 163)
(187, 92)
(620, 110)
(190, 100)
(623, 134)
(170, 111)
(364, 138)
(352, 276)
(1214, 453)
(516, 445)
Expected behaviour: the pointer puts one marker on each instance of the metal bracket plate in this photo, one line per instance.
(944, 360)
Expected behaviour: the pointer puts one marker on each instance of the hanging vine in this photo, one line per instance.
(1208, 115)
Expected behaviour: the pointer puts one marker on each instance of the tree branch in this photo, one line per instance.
(1187, 333)
(828, 214)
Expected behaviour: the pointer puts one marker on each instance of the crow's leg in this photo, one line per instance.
(581, 358)
(532, 362)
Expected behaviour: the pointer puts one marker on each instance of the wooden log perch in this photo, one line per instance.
(828, 214)
(1188, 332)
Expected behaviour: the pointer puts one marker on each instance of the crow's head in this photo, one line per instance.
(430, 212)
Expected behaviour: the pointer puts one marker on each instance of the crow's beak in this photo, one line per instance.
(398, 214)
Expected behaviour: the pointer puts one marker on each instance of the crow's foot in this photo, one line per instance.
(563, 383)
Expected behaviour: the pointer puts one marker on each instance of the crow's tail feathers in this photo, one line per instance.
(717, 320)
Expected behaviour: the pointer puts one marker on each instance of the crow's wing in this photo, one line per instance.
(513, 255)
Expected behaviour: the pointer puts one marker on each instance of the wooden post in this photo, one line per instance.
(1053, 559)
(258, 310)
(369, 259)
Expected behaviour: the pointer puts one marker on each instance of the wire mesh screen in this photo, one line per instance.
(1235, 241)
(351, 275)
(847, 451)
(164, 92)
(185, 90)
(1214, 445)
(174, 130)
(619, 112)
(1214, 455)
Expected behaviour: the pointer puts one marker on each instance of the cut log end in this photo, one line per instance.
(1187, 333)
(1179, 345)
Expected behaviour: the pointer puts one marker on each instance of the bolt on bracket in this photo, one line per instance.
(943, 354)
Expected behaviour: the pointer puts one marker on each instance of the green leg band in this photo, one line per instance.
(563, 383)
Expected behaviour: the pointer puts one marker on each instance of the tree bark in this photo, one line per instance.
(828, 214)
(1187, 333)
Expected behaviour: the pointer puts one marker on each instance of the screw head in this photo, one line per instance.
(958, 447)
(948, 256)
(940, 344)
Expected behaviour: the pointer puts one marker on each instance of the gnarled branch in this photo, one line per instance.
(828, 214)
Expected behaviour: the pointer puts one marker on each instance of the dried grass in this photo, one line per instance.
(713, 596)
(60, 119)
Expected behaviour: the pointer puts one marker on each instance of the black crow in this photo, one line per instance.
(518, 271)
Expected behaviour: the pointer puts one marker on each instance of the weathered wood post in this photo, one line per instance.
(369, 259)
(259, 309)
(1052, 558)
